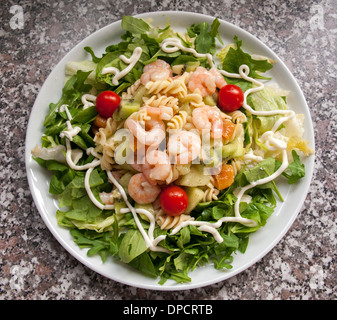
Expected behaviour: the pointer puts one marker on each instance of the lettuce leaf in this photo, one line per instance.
(71, 95)
(236, 57)
(134, 25)
(205, 36)
(266, 100)
(295, 170)
(104, 244)
(132, 245)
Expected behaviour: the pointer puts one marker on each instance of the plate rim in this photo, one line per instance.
(184, 286)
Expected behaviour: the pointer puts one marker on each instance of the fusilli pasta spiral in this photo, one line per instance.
(108, 153)
(178, 121)
(211, 193)
(163, 100)
(175, 87)
(195, 99)
(236, 164)
(167, 222)
(142, 116)
(129, 93)
(238, 116)
(105, 133)
(178, 170)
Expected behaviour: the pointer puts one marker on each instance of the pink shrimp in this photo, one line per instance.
(160, 113)
(208, 118)
(157, 166)
(184, 146)
(206, 81)
(137, 163)
(141, 190)
(218, 78)
(106, 198)
(152, 134)
(158, 70)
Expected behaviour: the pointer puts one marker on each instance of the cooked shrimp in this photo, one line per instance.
(219, 79)
(158, 70)
(137, 164)
(160, 113)
(157, 166)
(208, 118)
(206, 81)
(185, 146)
(152, 134)
(141, 190)
(108, 197)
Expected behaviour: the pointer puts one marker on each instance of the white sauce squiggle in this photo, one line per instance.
(91, 195)
(212, 227)
(130, 61)
(170, 45)
(88, 100)
(71, 132)
(72, 165)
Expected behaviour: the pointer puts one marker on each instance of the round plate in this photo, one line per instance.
(260, 243)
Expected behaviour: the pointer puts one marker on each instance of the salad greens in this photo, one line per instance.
(109, 233)
(205, 38)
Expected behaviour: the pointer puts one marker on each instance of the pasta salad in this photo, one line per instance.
(165, 151)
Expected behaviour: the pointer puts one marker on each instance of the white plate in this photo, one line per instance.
(260, 243)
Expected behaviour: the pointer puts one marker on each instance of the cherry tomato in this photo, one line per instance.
(107, 102)
(230, 98)
(173, 200)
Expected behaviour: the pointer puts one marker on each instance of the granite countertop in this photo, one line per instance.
(35, 266)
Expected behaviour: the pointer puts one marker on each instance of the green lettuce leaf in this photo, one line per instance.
(266, 100)
(104, 244)
(132, 245)
(295, 170)
(71, 95)
(205, 36)
(134, 25)
(236, 57)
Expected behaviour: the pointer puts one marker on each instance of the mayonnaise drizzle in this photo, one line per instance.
(170, 45)
(71, 132)
(88, 100)
(72, 165)
(251, 157)
(243, 74)
(91, 195)
(212, 227)
(118, 74)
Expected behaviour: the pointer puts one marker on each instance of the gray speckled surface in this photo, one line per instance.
(35, 266)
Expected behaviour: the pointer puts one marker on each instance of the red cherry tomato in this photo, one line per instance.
(230, 98)
(173, 200)
(106, 103)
